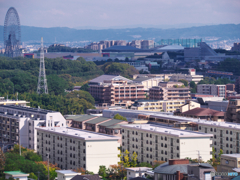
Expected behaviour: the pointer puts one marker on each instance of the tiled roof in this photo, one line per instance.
(111, 122)
(97, 120)
(203, 112)
(80, 118)
(84, 177)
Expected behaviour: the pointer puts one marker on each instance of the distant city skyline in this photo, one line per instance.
(97, 14)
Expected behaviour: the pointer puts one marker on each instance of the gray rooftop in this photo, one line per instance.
(111, 122)
(232, 155)
(80, 118)
(165, 168)
(30, 109)
(97, 120)
(102, 78)
(140, 79)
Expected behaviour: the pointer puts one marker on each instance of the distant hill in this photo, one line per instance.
(224, 31)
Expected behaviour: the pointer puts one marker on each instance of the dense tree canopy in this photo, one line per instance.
(230, 65)
(119, 69)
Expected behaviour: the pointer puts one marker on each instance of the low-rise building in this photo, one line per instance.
(109, 90)
(169, 91)
(229, 163)
(74, 148)
(203, 113)
(148, 82)
(189, 105)
(212, 89)
(158, 105)
(18, 124)
(182, 169)
(154, 142)
(16, 175)
(66, 174)
(4, 101)
(133, 172)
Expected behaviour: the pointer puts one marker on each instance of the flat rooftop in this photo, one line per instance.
(170, 116)
(232, 155)
(30, 109)
(78, 133)
(166, 130)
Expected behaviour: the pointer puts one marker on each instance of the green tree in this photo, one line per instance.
(118, 116)
(102, 171)
(184, 81)
(2, 160)
(32, 176)
(126, 162)
(219, 155)
(144, 164)
(85, 87)
(134, 159)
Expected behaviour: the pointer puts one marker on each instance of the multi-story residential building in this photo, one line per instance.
(147, 44)
(96, 124)
(226, 135)
(18, 124)
(113, 90)
(230, 87)
(229, 163)
(212, 89)
(169, 91)
(191, 76)
(158, 105)
(237, 85)
(233, 111)
(154, 142)
(74, 148)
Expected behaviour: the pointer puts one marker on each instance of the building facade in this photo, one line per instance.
(212, 89)
(233, 111)
(158, 105)
(110, 90)
(153, 142)
(73, 148)
(169, 91)
(18, 124)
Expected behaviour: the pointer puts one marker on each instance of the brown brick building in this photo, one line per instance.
(115, 90)
(169, 91)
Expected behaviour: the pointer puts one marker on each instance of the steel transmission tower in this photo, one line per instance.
(42, 81)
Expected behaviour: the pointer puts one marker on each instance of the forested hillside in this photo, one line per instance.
(20, 75)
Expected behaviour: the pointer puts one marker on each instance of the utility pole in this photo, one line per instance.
(38, 175)
(20, 142)
(42, 80)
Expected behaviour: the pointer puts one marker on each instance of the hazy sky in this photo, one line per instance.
(109, 13)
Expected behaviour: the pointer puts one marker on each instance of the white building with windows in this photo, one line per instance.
(74, 148)
(155, 142)
(18, 123)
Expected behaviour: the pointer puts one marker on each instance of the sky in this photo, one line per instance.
(122, 13)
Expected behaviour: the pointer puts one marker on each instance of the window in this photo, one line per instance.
(165, 138)
(200, 127)
(147, 135)
(226, 138)
(150, 135)
(211, 129)
(231, 132)
(226, 131)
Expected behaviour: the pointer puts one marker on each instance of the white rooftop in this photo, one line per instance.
(167, 130)
(137, 169)
(78, 133)
(66, 172)
(232, 155)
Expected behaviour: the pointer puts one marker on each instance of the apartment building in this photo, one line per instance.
(212, 89)
(226, 135)
(74, 148)
(154, 142)
(148, 82)
(236, 47)
(109, 90)
(233, 111)
(169, 91)
(191, 76)
(158, 105)
(18, 124)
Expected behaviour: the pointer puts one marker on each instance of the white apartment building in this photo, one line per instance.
(189, 77)
(154, 142)
(226, 135)
(18, 123)
(212, 89)
(74, 148)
